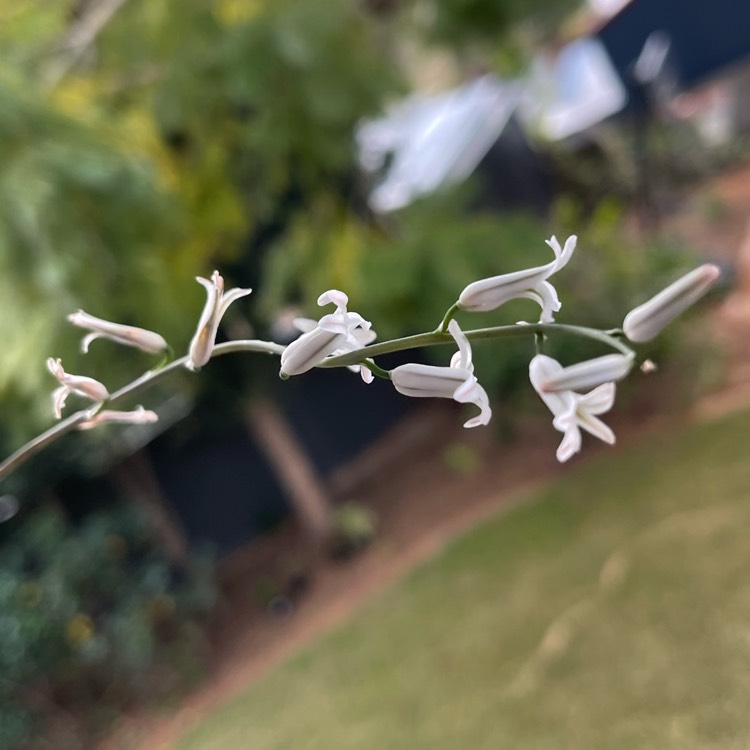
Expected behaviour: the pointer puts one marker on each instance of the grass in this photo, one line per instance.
(611, 612)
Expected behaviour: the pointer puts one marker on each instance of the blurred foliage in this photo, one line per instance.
(355, 526)
(154, 154)
(643, 163)
(93, 615)
(463, 22)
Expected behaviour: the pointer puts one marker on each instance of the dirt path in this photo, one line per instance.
(416, 502)
(415, 523)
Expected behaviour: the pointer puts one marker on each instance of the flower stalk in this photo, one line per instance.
(576, 395)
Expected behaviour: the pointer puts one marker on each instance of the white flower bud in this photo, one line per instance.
(309, 349)
(427, 381)
(649, 319)
(137, 416)
(148, 341)
(588, 374)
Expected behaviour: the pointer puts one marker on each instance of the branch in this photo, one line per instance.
(79, 39)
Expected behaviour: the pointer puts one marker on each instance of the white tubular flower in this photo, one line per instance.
(588, 374)
(140, 338)
(649, 319)
(457, 381)
(337, 332)
(361, 336)
(572, 411)
(137, 416)
(216, 305)
(78, 384)
(489, 294)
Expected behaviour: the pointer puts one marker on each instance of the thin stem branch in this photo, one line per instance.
(79, 39)
(436, 338)
(145, 381)
(52, 435)
(376, 369)
(362, 356)
(449, 315)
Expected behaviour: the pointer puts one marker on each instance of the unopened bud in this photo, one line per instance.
(649, 319)
(309, 350)
(588, 374)
(137, 416)
(427, 381)
(140, 338)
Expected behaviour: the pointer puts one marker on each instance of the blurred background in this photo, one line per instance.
(397, 150)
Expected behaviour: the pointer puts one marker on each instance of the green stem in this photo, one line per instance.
(40, 442)
(452, 310)
(376, 370)
(144, 382)
(436, 338)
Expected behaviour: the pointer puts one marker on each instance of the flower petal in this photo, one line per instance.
(464, 347)
(562, 255)
(470, 392)
(570, 445)
(334, 296)
(592, 372)
(596, 427)
(308, 350)
(229, 297)
(598, 401)
(541, 369)
(489, 294)
(426, 381)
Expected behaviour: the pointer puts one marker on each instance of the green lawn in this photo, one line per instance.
(611, 611)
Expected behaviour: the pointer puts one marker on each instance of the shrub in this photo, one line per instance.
(94, 617)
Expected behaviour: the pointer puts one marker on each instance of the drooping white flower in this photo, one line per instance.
(572, 411)
(78, 384)
(217, 302)
(140, 338)
(137, 416)
(647, 321)
(531, 283)
(338, 332)
(456, 381)
(589, 374)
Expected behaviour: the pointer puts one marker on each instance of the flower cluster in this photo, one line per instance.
(576, 395)
(199, 353)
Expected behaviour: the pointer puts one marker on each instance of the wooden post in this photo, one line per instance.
(136, 478)
(293, 468)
